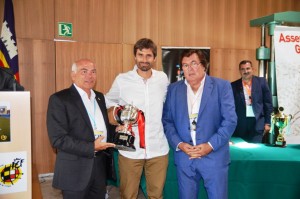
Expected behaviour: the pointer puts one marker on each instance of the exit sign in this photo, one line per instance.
(65, 29)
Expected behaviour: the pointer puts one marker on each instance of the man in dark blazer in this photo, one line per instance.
(199, 118)
(7, 80)
(79, 129)
(253, 104)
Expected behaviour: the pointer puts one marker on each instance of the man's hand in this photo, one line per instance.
(99, 145)
(267, 128)
(185, 147)
(195, 151)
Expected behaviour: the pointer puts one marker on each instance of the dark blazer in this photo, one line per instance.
(7, 80)
(71, 133)
(261, 102)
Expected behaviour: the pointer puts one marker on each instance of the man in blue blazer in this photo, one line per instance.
(79, 129)
(253, 104)
(199, 118)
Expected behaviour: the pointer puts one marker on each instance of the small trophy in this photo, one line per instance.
(280, 120)
(125, 115)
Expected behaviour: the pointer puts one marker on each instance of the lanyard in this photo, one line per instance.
(93, 117)
(193, 116)
(248, 89)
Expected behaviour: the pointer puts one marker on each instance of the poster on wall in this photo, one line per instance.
(171, 59)
(5, 132)
(287, 58)
(13, 172)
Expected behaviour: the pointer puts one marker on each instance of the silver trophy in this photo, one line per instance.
(125, 115)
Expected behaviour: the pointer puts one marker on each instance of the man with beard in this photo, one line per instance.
(144, 88)
(253, 104)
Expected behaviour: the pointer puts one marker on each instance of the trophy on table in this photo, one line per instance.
(280, 120)
(126, 115)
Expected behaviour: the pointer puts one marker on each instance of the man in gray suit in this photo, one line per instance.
(79, 129)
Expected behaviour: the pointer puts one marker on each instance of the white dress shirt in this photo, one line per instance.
(194, 101)
(94, 113)
(148, 96)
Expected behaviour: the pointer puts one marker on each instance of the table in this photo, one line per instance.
(260, 171)
(256, 171)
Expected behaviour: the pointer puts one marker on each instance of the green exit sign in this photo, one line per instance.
(65, 29)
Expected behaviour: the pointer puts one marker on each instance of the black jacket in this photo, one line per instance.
(7, 81)
(71, 133)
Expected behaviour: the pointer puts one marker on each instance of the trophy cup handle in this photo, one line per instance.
(117, 113)
(124, 139)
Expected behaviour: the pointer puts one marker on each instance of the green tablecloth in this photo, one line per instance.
(259, 171)
(256, 172)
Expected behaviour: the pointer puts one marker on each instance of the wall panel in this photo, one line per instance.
(185, 23)
(140, 19)
(128, 57)
(224, 62)
(107, 57)
(1, 10)
(37, 75)
(93, 20)
(34, 19)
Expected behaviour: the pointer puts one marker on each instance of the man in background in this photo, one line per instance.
(79, 129)
(8, 81)
(144, 88)
(253, 104)
(199, 118)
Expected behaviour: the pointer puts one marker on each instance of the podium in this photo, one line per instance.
(15, 145)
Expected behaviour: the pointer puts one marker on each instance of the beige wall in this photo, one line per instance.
(105, 31)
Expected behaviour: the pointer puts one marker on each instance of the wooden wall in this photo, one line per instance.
(105, 31)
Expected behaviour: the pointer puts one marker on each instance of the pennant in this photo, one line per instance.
(141, 126)
(8, 42)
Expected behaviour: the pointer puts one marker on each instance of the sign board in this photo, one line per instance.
(65, 29)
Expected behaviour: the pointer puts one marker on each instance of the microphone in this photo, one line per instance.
(6, 70)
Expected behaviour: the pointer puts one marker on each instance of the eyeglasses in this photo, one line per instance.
(193, 64)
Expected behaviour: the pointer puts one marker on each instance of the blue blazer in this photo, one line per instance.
(261, 102)
(215, 124)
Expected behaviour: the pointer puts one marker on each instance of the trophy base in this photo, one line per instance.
(125, 148)
(280, 144)
(280, 141)
(124, 141)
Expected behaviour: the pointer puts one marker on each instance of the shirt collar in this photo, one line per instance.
(201, 84)
(82, 93)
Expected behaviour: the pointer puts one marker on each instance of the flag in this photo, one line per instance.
(8, 42)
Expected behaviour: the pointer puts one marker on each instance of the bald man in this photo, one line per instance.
(78, 128)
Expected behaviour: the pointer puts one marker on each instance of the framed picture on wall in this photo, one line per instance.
(5, 122)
